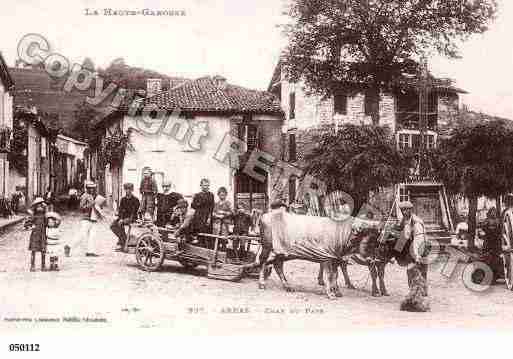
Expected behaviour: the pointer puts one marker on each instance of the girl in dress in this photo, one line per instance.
(222, 213)
(38, 239)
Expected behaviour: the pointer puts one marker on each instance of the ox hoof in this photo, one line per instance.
(376, 294)
(261, 286)
(290, 289)
(384, 293)
(350, 286)
(332, 297)
(321, 282)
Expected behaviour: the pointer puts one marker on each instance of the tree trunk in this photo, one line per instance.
(472, 225)
(373, 102)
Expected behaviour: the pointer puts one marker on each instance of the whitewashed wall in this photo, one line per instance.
(171, 157)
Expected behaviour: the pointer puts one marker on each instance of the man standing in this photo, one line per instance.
(87, 202)
(127, 214)
(413, 241)
(49, 199)
(148, 190)
(166, 202)
(203, 203)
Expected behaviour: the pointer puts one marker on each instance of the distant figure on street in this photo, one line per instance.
(127, 214)
(16, 199)
(203, 204)
(148, 190)
(38, 240)
(166, 202)
(492, 247)
(73, 200)
(49, 199)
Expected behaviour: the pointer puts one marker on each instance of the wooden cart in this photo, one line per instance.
(152, 245)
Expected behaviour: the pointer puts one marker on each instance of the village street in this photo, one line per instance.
(112, 292)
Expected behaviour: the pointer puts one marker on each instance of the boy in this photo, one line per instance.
(127, 213)
(148, 190)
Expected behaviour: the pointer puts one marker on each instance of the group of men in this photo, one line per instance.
(172, 209)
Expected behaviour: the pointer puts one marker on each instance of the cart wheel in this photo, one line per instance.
(188, 264)
(149, 252)
(507, 246)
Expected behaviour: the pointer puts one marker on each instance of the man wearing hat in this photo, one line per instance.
(165, 203)
(127, 213)
(148, 190)
(413, 238)
(87, 203)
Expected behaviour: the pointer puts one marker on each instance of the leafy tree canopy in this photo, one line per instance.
(357, 159)
(477, 160)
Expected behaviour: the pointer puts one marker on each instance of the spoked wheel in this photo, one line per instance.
(149, 252)
(507, 248)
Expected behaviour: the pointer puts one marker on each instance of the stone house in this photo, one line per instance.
(305, 114)
(6, 124)
(210, 105)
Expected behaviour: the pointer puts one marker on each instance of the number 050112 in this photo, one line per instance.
(23, 347)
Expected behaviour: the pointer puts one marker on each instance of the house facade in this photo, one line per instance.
(206, 114)
(68, 168)
(6, 124)
(399, 111)
(31, 153)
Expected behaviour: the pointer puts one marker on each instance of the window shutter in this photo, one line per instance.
(292, 148)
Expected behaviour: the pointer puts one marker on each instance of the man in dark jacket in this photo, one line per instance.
(166, 202)
(203, 204)
(127, 213)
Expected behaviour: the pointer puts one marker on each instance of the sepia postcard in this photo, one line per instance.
(212, 167)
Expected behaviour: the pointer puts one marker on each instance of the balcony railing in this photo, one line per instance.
(411, 120)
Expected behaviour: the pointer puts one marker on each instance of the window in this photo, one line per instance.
(292, 105)
(404, 141)
(412, 140)
(340, 103)
(429, 141)
(367, 104)
(292, 148)
(249, 133)
(404, 194)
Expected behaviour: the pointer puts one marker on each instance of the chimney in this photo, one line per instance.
(153, 87)
(220, 82)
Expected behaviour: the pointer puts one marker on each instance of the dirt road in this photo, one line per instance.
(111, 292)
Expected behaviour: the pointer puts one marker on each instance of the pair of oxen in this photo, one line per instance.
(332, 243)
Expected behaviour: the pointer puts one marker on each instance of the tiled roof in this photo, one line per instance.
(213, 94)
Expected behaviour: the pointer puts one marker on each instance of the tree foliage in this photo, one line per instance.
(357, 159)
(130, 77)
(371, 44)
(477, 160)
